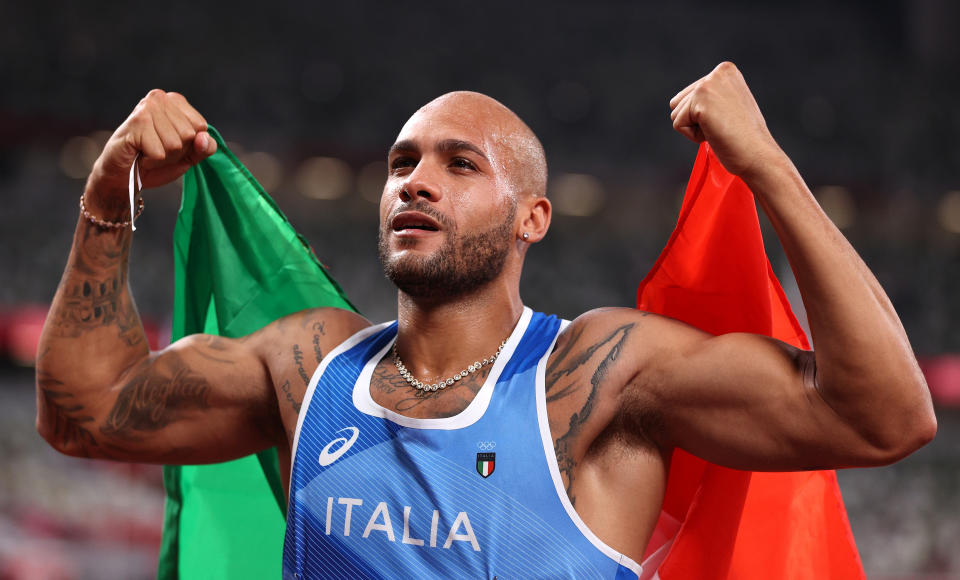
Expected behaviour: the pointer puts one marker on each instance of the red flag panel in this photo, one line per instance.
(718, 522)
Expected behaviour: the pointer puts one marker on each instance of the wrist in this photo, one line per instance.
(767, 171)
(109, 224)
(106, 198)
(107, 204)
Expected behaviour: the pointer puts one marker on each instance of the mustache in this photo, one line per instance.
(423, 207)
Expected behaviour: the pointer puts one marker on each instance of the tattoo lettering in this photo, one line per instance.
(319, 329)
(288, 395)
(298, 360)
(152, 400)
(571, 363)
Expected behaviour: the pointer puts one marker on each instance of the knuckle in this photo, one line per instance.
(155, 94)
(186, 132)
(141, 119)
(726, 66)
(130, 141)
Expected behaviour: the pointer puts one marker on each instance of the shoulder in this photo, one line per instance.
(635, 324)
(631, 338)
(599, 346)
(603, 324)
(318, 330)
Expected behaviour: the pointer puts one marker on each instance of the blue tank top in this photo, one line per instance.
(375, 494)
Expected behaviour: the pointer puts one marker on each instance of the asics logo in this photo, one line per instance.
(336, 448)
(486, 445)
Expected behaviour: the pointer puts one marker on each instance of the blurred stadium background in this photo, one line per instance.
(862, 94)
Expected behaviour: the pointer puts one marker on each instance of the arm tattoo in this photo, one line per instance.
(94, 289)
(562, 381)
(319, 329)
(317, 352)
(67, 417)
(288, 395)
(298, 360)
(92, 303)
(101, 249)
(156, 398)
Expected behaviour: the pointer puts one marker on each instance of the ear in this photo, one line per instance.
(535, 214)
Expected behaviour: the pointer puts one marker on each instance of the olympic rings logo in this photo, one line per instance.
(486, 445)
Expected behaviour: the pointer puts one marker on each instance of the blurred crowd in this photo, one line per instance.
(862, 95)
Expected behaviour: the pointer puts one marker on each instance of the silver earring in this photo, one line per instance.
(526, 236)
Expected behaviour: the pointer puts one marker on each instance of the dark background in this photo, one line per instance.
(862, 95)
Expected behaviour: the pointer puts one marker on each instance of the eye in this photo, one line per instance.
(462, 163)
(400, 163)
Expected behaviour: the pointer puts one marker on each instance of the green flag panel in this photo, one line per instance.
(239, 266)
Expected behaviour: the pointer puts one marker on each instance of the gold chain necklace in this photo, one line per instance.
(445, 383)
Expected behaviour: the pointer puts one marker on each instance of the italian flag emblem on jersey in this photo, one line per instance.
(485, 463)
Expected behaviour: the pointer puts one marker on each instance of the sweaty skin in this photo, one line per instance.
(624, 388)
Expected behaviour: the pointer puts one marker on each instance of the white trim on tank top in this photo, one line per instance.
(363, 400)
(308, 396)
(550, 452)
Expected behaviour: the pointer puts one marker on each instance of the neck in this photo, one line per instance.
(438, 338)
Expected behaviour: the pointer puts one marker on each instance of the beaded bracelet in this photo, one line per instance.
(105, 224)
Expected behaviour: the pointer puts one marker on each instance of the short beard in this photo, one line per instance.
(460, 267)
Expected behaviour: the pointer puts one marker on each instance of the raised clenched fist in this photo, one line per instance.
(720, 109)
(168, 133)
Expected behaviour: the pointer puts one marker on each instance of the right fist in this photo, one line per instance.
(168, 133)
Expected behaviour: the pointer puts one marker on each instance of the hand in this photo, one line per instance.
(720, 109)
(168, 133)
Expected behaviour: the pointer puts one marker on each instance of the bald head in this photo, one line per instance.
(511, 143)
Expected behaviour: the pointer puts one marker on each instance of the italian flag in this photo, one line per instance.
(485, 463)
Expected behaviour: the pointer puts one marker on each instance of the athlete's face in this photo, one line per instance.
(448, 207)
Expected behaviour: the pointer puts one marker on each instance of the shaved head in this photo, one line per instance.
(465, 174)
(516, 149)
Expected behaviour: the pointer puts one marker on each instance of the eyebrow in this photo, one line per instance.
(445, 146)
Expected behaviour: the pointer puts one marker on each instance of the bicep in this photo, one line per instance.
(744, 401)
(202, 399)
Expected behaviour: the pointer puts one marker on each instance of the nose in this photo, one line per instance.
(408, 194)
(420, 183)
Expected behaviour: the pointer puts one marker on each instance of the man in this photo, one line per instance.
(582, 416)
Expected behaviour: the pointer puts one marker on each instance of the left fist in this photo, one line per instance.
(720, 109)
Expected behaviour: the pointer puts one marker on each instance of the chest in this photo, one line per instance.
(412, 479)
(571, 400)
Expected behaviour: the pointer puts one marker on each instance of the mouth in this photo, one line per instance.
(413, 222)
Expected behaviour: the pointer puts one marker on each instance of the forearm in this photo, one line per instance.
(866, 370)
(91, 336)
